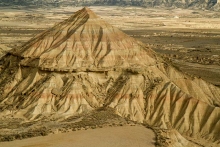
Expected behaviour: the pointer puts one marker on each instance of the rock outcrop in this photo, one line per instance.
(84, 63)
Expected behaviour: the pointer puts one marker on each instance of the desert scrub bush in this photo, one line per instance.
(18, 136)
(97, 119)
(93, 127)
(27, 124)
(7, 138)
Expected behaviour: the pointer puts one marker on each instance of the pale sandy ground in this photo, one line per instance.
(127, 136)
(121, 17)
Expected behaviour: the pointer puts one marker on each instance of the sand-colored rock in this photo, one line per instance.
(83, 41)
(84, 63)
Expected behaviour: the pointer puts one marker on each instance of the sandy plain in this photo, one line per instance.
(127, 136)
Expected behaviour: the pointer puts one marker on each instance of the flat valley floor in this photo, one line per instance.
(126, 136)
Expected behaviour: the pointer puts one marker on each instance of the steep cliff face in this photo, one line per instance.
(84, 63)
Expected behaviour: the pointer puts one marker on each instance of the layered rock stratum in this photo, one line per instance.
(84, 63)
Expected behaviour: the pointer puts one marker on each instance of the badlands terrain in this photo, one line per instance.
(106, 79)
(191, 36)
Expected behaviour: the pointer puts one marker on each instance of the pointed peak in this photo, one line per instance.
(89, 12)
(86, 9)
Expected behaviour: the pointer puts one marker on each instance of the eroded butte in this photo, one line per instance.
(83, 64)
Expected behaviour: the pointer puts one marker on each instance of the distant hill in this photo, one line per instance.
(198, 4)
